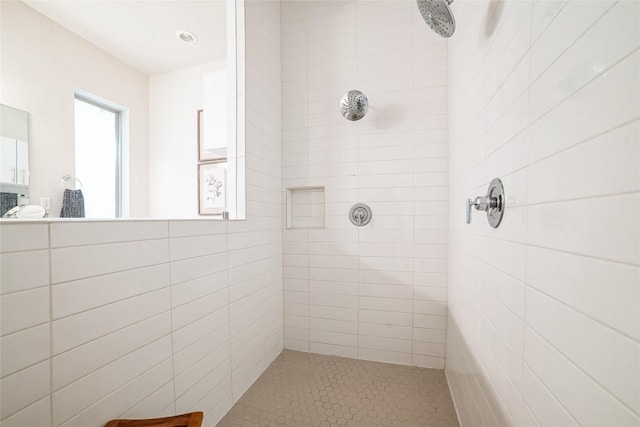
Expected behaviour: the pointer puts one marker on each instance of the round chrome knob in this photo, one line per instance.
(360, 214)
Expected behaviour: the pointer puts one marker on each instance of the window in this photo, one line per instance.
(98, 150)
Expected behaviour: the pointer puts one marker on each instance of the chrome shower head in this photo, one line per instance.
(438, 16)
(354, 105)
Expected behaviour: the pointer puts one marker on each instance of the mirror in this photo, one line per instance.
(130, 109)
(14, 158)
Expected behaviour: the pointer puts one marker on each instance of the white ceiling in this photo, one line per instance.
(142, 33)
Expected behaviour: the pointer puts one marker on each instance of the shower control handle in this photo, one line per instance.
(468, 211)
(492, 203)
(481, 203)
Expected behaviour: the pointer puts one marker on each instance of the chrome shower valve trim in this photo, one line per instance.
(493, 203)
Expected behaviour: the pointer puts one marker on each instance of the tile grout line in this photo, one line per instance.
(170, 285)
(358, 172)
(50, 326)
(229, 364)
(308, 104)
(526, 211)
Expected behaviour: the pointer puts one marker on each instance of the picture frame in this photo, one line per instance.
(212, 188)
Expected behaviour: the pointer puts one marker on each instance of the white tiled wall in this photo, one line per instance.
(138, 319)
(376, 292)
(544, 312)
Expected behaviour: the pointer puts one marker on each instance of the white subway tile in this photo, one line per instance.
(184, 337)
(429, 321)
(341, 288)
(197, 309)
(334, 350)
(543, 404)
(192, 353)
(561, 226)
(385, 356)
(604, 101)
(385, 291)
(116, 403)
(155, 403)
(85, 261)
(428, 361)
(16, 397)
(190, 376)
(190, 290)
(384, 343)
(295, 344)
(334, 338)
(604, 165)
(562, 378)
(217, 378)
(610, 39)
(23, 237)
(72, 399)
(23, 270)
(385, 317)
(571, 21)
(333, 300)
(81, 295)
(194, 268)
(80, 361)
(602, 290)
(38, 414)
(196, 227)
(622, 378)
(81, 328)
(24, 348)
(25, 309)
(80, 233)
(195, 246)
(429, 335)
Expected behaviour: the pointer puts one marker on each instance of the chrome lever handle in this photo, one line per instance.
(481, 203)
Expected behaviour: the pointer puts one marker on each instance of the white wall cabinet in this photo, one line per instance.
(14, 161)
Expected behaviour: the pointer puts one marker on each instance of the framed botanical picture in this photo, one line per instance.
(212, 188)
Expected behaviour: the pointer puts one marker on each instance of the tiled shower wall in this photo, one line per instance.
(378, 292)
(544, 312)
(146, 318)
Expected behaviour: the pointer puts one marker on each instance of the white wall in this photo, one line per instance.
(544, 311)
(42, 66)
(143, 318)
(174, 99)
(376, 292)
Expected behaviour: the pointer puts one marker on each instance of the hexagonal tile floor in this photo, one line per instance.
(313, 390)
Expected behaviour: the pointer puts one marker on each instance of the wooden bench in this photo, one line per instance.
(194, 419)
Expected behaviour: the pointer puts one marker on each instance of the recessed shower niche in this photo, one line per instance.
(305, 208)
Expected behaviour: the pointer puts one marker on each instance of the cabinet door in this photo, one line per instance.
(23, 162)
(8, 160)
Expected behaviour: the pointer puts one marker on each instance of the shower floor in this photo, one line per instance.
(306, 389)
